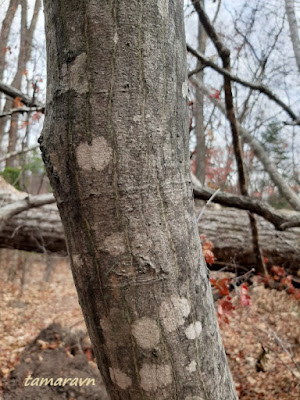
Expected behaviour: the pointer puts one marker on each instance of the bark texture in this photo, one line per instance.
(115, 145)
(4, 33)
(294, 29)
(199, 110)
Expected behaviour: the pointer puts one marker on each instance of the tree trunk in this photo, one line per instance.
(24, 55)
(199, 110)
(286, 191)
(294, 29)
(115, 145)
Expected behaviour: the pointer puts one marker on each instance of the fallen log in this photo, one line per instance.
(40, 230)
(230, 233)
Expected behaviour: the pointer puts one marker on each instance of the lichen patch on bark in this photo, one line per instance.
(185, 89)
(74, 76)
(116, 38)
(191, 367)
(163, 7)
(194, 330)
(95, 156)
(173, 312)
(146, 333)
(76, 260)
(120, 378)
(155, 376)
(114, 244)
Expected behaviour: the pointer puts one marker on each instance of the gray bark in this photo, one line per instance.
(4, 33)
(115, 145)
(199, 110)
(294, 29)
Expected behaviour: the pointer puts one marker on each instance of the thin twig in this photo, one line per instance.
(207, 203)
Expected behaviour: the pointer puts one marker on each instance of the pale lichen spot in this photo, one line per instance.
(194, 330)
(185, 88)
(74, 76)
(76, 261)
(146, 333)
(120, 378)
(114, 244)
(78, 74)
(116, 38)
(163, 7)
(192, 367)
(154, 376)
(194, 398)
(173, 312)
(96, 156)
(137, 118)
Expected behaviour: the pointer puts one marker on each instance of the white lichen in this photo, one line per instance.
(185, 89)
(120, 378)
(76, 260)
(96, 156)
(163, 7)
(192, 367)
(137, 118)
(116, 38)
(194, 330)
(114, 244)
(74, 75)
(154, 376)
(146, 333)
(173, 312)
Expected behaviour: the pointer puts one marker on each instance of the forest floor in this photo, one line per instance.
(264, 335)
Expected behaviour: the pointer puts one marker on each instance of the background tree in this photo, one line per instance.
(20, 56)
(262, 71)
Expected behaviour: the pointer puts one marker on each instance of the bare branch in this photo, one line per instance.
(224, 53)
(15, 153)
(258, 150)
(27, 100)
(28, 202)
(280, 221)
(22, 110)
(255, 86)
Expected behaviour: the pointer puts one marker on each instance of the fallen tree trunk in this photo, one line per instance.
(229, 231)
(40, 230)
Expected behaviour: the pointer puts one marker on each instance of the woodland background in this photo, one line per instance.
(244, 149)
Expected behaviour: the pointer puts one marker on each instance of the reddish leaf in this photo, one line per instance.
(245, 299)
(209, 257)
(89, 354)
(18, 103)
(221, 285)
(207, 245)
(225, 308)
(215, 95)
(278, 272)
(36, 116)
(6, 49)
(296, 294)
